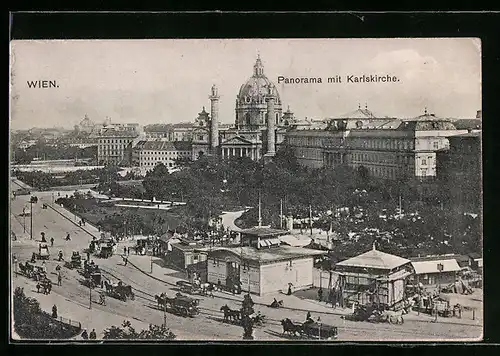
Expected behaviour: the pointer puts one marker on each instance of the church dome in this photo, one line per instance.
(257, 86)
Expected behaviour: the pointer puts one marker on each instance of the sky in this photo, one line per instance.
(169, 81)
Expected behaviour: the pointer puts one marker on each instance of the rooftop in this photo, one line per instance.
(423, 267)
(282, 253)
(460, 258)
(375, 259)
(163, 145)
(467, 124)
(263, 232)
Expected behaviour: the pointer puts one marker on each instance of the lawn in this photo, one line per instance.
(94, 211)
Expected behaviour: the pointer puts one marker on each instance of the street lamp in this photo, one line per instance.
(90, 292)
(31, 218)
(329, 213)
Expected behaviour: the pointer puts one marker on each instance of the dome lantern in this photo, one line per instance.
(258, 68)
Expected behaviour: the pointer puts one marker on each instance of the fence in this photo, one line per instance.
(322, 279)
(72, 323)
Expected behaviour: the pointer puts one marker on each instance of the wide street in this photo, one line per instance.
(73, 298)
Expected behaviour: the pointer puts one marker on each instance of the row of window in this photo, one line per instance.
(152, 164)
(164, 153)
(114, 140)
(112, 147)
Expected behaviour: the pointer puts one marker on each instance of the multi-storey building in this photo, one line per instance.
(459, 172)
(147, 154)
(170, 132)
(114, 144)
(387, 152)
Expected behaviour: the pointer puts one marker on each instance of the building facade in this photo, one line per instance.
(147, 154)
(173, 132)
(435, 270)
(459, 170)
(114, 144)
(393, 150)
(261, 265)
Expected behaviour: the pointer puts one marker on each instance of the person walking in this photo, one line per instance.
(93, 335)
(51, 242)
(320, 294)
(68, 238)
(88, 255)
(126, 260)
(59, 279)
(54, 311)
(124, 251)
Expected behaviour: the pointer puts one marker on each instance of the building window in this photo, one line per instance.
(424, 172)
(424, 161)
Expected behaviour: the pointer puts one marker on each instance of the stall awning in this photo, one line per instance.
(269, 242)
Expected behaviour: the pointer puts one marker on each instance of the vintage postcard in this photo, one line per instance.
(246, 189)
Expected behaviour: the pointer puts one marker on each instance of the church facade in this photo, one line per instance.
(259, 125)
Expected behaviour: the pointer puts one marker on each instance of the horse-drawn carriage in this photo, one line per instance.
(375, 314)
(180, 304)
(76, 260)
(193, 288)
(43, 251)
(106, 251)
(33, 270)
(309, 329)
(119, 291)
(92, 274)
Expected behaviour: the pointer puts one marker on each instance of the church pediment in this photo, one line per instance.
(237, 140)
(200, 130)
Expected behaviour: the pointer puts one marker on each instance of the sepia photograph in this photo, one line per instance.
(258, 190)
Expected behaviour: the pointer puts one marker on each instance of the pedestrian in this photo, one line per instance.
(54, 311)
(83, 222)
(93, 335)
(85, 336)
(124, 251)
(320, 294)
(308, 316)
(59, 279)
(126, 260)
(289, 292)
(68, 238)
(49, 287)
(88, 255)
(51, 241)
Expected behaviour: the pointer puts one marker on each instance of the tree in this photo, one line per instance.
(126, 331)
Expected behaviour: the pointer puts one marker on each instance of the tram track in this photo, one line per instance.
(215, 314)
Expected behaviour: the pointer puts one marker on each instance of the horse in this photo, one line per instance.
(230, 314)
(208, 289)
(109, 286)
(392, 317)
(290, 328)
(161, 300)
(276, 304)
